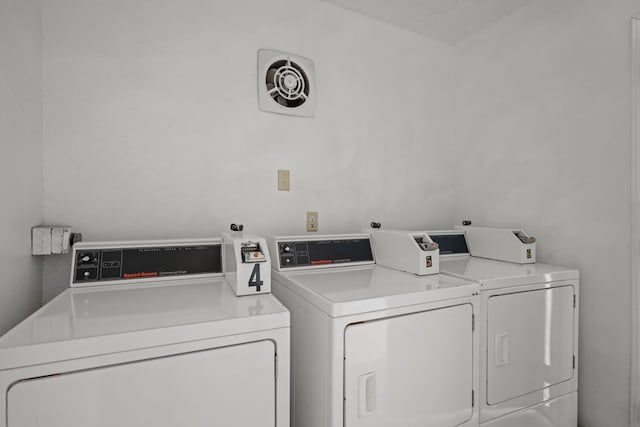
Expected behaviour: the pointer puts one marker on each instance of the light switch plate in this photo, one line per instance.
(283, 180)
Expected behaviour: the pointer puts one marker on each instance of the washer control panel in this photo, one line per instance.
(323, 251)
(111, 263)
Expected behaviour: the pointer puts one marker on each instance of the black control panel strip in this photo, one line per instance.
(324, 252)
(114, 264)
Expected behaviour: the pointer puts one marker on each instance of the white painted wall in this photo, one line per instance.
(543, 107)
(152, 130)
(20, 157)
(152, 127)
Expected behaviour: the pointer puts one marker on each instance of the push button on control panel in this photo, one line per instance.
(88, 258)
(287, 258)
(111, 264)
(302, 253)
(87, 265)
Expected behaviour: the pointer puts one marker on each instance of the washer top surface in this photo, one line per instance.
(498, 274)
(84, 322)
(353, 290)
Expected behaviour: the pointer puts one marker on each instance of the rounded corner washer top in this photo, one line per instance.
(491, 273)
(82, 322)
(353, 290)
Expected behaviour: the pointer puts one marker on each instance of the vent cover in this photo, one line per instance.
(285, 83)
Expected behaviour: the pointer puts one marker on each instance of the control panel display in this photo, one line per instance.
(324, 252)
(451, 243)
(148, 262)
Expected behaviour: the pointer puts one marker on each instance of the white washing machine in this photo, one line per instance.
(150, 334)
(528, 336)
(372, 346)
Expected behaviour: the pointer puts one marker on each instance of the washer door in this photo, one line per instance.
(529, 342)
(412, 370)
(229, 386)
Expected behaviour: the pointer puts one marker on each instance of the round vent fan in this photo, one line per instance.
(285, 83)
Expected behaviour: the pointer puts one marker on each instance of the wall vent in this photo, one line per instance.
(286, 83)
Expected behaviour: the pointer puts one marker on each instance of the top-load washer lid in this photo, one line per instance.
(84, 322)
(497, 274)
(353, 290)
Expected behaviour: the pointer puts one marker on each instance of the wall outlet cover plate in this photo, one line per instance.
(312, 221)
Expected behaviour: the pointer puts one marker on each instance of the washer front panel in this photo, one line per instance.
(235, 386)
(416, 367)
(529, 342)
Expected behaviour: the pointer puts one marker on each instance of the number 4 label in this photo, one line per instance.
(254, 279)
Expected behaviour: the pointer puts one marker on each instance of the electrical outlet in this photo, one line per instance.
(312, 221)
(283, 180)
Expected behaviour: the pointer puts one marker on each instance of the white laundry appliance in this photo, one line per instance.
(528, 325)
(148, 334)
(373, 346)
